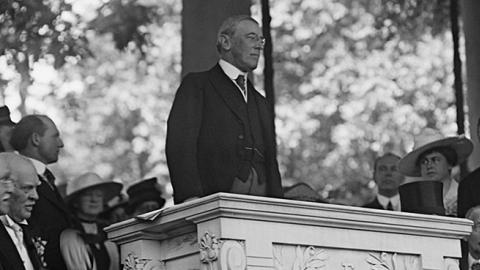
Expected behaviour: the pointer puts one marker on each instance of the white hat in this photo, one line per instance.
(428, 139)
(91, 180)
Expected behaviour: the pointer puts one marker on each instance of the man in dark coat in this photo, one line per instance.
(17, 249)
(220, 135)
(37, 138)
(469, 188)
(388, 178)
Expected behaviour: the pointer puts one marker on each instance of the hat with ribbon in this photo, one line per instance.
(5, 119)
(429, 139)
(89, 181)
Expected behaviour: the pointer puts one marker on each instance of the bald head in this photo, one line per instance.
(6, 184)
(24, 194)
(37, 137)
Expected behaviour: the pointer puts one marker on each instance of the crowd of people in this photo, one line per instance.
(219, 139)
(40, 228)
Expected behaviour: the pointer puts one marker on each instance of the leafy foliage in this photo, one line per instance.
(353, 79)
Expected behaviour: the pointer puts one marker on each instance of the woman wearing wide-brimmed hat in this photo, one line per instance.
(433, 158)
(86, 247)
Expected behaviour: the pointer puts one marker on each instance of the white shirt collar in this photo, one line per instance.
(383, 200)
(231, 71)
(40, 167)
(6, 219)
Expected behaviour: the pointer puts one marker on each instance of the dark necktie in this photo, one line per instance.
(389, 205)
(240, 80)
(50, 177)
(475, 266)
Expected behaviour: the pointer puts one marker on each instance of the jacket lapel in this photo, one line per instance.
(228, 91)
(47, 192)
(7, 247)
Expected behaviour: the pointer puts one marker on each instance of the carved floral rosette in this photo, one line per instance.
(132, 262)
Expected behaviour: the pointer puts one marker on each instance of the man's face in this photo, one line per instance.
(5, 134)
(246, 45)
(25, 193)
(50, 143)
(6, 187)
(434, 166)
(387, 177)
(474, 237)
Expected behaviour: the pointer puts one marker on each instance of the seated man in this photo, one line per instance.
(388, 178)
(17, 249)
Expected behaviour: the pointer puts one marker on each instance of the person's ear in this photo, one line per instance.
(35, 139)
(225, 42)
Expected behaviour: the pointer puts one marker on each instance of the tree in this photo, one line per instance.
(355, 79)
(32, 30)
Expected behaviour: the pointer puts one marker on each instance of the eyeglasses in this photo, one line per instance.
(254, 38)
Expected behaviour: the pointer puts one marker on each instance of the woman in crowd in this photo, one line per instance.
(86, 247)
(433, 158)
(144, 196)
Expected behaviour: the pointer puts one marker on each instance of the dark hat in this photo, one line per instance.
(145, 190)
(422, 197)
(5, 117)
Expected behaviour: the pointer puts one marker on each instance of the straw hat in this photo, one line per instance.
(91, 180)
(428, 139)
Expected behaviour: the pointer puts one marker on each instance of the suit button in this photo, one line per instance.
(240, 137)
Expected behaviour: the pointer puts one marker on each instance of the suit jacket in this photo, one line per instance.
(10, 258)
(205, 132)
(50, 216)
(468, 192)
(375, 204)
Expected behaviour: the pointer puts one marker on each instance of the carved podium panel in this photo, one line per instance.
(235, 232)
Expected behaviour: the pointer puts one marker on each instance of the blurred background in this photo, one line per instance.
(353, 79)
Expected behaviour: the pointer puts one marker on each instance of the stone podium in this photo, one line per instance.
(229, 232)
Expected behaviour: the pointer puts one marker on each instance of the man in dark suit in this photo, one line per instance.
(388, 178)
(220, 135)
(469, 188)
(37, 138)
(17, 250)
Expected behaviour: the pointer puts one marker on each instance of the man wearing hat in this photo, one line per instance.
(433, 158)
(6, 126)
(144, 196)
